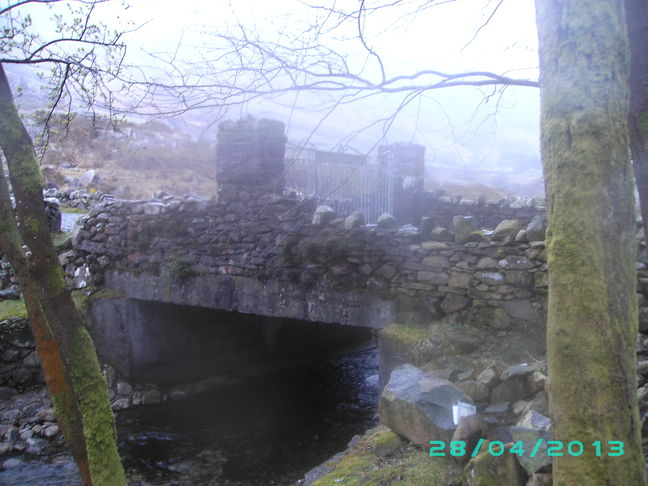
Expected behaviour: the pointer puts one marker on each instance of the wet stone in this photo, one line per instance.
(500, 408)
(11, 463)
(11, 415)
(46, 415)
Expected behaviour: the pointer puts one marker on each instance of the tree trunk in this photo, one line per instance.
(69, 360)
(592, 311)
(637, 22)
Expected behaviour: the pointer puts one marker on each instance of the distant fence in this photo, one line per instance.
(344, 186)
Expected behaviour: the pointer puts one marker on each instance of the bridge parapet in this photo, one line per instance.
(501, 284)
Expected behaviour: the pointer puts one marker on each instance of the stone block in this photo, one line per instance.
(490, 278)
(418, 406)
(523, 310)
(435, 278)
(460, 280)
(436, 262)
(354, 220)
(454, 303)
(486, 263)
(508, 228)
(509, 391)
(537, 228)
(463, 228)
(323, 215)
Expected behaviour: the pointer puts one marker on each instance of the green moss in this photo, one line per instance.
(12, 308)
(410, 336)
(98, 423)
(84, 300)
(23, 166)
(176, 269)
(62, 241)
(410, 467)
(57, 281)
(74, 210)
(106, 293)
(384, 437)
(387, 443)
(81, 300)
(32, 224)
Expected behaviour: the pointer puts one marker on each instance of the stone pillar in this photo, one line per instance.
(250, 159)
(407, 160)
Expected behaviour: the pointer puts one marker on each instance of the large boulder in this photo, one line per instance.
(418, 406)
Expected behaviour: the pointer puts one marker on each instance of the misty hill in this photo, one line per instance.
(132, 160)
(177, 155)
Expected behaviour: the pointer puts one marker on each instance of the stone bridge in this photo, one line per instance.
(174, 272)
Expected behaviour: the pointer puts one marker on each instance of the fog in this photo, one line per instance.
(493, 129)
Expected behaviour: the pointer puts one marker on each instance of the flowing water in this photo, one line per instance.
(264, 431)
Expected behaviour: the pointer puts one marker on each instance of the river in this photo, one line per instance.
(265, 431)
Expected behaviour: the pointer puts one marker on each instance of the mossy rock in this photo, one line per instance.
(495, 470)
(410, 466)
(74, 210)
(62, 241)
(83, 299)
(387, 443)
(409, 344)
(408, 336)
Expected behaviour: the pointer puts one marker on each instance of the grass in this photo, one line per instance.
(177, 269)
(74, 210)
(16, 308)
(12, 308)
(410, 336)
(410, 467)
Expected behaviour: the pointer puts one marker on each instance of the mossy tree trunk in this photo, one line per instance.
(592, 311)
(637, 22)
(67, 354)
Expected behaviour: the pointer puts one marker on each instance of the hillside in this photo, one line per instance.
(131, 160)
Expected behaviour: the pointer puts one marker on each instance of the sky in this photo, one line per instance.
(462, 125)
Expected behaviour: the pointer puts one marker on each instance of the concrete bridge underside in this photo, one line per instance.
(207, 325)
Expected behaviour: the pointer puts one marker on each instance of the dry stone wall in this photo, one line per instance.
(497, 282)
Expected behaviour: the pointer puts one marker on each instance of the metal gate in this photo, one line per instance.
(346, 187)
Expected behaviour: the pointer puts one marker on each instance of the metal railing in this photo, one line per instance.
(346, 188)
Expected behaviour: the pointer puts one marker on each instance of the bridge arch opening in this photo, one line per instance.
(262, 399)
(170, 344)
